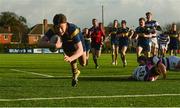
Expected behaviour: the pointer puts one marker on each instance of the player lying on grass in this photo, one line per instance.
(70, 39)
(148, 73)
(149, 69)
(171, 63)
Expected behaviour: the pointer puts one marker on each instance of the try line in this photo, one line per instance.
(88, 97)
(45, 75)
(50, 76)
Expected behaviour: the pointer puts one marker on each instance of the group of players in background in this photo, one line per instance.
(149, 38)
(77, 45)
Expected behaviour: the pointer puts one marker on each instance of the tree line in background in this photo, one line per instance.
(18, 25)
(20, 29)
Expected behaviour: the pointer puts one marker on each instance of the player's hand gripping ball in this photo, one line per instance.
(53, 42)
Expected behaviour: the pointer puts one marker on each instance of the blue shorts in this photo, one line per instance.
(123, 42)
(96, 46)
(114, 42)
(144, 45)
(173, 46)
(87, 45)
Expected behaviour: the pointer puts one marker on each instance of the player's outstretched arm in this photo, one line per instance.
(77, 54)
(45, 43)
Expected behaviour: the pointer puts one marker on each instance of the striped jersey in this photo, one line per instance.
(163, 39)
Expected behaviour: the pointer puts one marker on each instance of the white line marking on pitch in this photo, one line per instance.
(45, 75)
(49, 76)
(89, 97)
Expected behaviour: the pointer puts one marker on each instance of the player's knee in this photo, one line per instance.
(123, 53)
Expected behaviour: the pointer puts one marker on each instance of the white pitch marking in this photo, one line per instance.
(88, 97)
(110, 76)
(45, 75)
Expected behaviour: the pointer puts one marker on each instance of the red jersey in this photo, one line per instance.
(96, 35)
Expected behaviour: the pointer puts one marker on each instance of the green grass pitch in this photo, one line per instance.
(39, 80)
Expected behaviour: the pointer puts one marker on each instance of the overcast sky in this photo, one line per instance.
(81, 12)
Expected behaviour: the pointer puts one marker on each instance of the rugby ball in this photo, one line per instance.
(53, 41)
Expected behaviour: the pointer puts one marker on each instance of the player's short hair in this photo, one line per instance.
(85, 29)
(173, 23)
(59, 18)
(115, 20)
(123, 21)
(94, 19)
(140, 19)
(148, 13)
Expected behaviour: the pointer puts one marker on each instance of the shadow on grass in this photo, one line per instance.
(97, 78)
(87, 78)
(104, 79)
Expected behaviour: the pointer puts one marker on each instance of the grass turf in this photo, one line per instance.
(108, 80)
